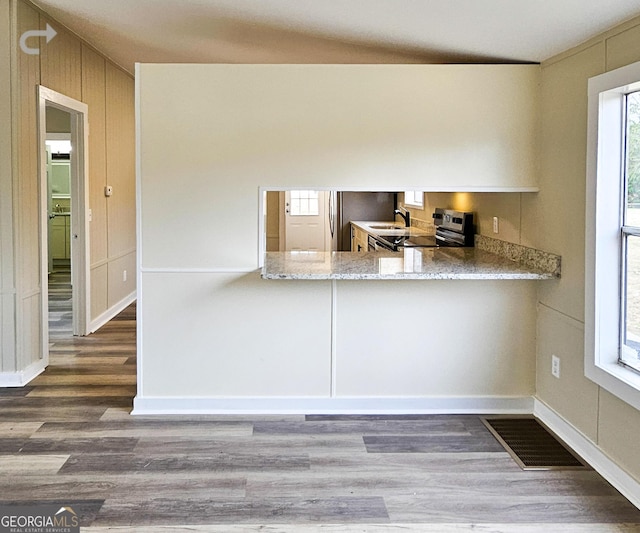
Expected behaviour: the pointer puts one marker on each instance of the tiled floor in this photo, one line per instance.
(68, 438)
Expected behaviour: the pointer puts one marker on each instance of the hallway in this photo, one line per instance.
(68, 438)
(60, 306)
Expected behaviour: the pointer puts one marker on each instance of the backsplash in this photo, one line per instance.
(506, 206)
(530, 257)
(426, 225)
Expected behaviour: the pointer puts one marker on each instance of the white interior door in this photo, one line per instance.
(305, 220)
(50, 214)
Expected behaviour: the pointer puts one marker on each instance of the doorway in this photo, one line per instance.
(305, 224)
(64, 214)
(58, 152)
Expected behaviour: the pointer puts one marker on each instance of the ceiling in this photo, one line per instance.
(336, 31)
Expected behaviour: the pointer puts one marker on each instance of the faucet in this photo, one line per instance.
(406, 215)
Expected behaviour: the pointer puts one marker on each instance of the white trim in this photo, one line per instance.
(605, 157)
(80, 249)
(110, 313)
(163, 405)
(222, 270)
(262, 230)
(585, 448)
(43, 223)
(399, 188)
(334, 339)
(23, 377)
(139, 328)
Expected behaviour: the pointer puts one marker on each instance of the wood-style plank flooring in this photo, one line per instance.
(68, 438)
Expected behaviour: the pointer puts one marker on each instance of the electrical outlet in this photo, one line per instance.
(124, 275)
(90, 215)
(495, 224)
(555, 366)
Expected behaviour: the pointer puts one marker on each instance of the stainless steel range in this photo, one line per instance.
(453, 228)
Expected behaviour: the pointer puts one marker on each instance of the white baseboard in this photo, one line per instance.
(110, 313)
(22, 378)
(354, 405)
(589, 451)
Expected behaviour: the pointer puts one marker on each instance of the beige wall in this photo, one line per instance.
(607, 421)
(506, 206)
(226, 131)
(408, 128)
(70, 67)
(7, 280)
(58, 121)
(25, 76)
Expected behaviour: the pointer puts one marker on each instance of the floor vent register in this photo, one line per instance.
(531, 445)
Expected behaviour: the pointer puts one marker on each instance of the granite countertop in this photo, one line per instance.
(411, 263)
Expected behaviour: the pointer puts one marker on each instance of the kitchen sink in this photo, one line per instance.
(386, 226)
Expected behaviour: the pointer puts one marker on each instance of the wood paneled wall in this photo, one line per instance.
(26, 194)
(121, 207)
(60, 62)
(120, 134)
(71, 67)
(94, 95)
(610, 423)
(7, 280)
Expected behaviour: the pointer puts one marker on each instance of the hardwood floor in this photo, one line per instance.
(68, 438)
(60, 311)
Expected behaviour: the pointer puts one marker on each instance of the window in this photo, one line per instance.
(414, 198)
(304, 203)
(612, 286)
(630, 237)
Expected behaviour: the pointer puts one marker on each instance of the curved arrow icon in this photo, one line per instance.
(49, 33)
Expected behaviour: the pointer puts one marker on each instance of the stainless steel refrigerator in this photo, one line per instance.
(350, 206)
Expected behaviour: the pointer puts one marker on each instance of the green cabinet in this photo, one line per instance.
(61, 237)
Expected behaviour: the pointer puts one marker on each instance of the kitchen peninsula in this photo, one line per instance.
(411, 263)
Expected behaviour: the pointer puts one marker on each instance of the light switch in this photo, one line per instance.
(108, 190)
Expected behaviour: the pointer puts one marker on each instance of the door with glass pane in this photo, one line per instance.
(305, 220)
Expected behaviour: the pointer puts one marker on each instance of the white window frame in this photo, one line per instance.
(603, 258)
(414, 198)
